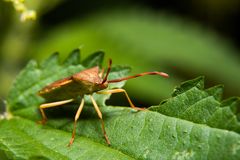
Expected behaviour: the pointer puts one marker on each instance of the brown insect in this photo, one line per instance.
(86, 82)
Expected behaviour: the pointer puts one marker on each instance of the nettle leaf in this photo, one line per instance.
(191, 102)
(73, 58)
(137, 135)
(95, 59)
(34, 77)
(31, 141)
(190, 125)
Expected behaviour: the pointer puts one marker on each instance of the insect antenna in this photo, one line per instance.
(108, 71)
(165, 75)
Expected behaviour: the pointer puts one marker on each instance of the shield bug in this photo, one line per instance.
(86, 82)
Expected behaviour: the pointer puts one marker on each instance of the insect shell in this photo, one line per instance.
(85, 82)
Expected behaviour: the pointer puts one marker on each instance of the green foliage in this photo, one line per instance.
(191, 102)
(148, 41)
(168, 131)
(31, 141)
(34, 77)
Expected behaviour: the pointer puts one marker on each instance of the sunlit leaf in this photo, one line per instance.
(193, 124)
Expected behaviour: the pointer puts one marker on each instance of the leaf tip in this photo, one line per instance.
(94, 59)
(196, 82)
(73, 57)
(53, 59)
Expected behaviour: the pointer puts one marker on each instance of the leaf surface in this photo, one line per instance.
(23, 139)
(192, 124)
(34, 77)
(192, 102)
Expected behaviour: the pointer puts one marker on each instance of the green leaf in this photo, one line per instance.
(216, 92)
(234, 103)
(73, 58)
(191, 102)
(192, 128)
(34, 77)
(145, 40)
(51, 61)
(198, 82)
(140, 135)
(24, 139)
(94, 60)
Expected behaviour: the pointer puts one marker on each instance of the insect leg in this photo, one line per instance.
(118, 91)
(49, 105)
(75, 122)
(100, 116)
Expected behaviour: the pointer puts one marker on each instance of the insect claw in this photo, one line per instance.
(138, 108)
(108, 142)
(71, 142)
(42, 122)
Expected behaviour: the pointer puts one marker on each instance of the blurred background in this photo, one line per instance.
(185, 38)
